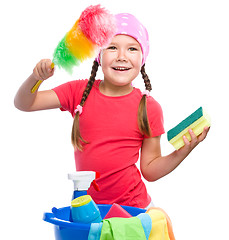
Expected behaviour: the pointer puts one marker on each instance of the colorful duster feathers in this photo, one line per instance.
(93, 30)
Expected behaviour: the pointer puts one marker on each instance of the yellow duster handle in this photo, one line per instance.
(38, 83)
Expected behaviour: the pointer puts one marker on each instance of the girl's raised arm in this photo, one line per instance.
(27, 101)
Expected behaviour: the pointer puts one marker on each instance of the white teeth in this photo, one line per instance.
(121, 68)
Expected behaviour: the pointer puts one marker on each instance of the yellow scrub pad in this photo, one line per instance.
(197, 121)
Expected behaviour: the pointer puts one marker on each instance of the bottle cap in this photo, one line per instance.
(81, 201)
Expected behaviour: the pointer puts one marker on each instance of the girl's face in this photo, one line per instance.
(121, 61)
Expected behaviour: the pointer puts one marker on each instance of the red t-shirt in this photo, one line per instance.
(110, 126)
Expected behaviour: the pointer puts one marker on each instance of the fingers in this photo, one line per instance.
(43, 69)
(195, 140)
(203, 135)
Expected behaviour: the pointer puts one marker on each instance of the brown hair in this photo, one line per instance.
(76, 136)
(143, 122)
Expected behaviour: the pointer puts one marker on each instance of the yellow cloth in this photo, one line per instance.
(161, 225)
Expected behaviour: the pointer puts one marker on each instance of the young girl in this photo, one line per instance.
(112, 119)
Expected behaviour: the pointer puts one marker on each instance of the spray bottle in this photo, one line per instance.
(83, 208)
(82, 181)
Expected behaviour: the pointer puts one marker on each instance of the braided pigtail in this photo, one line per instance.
(143, 122)
(76, 136)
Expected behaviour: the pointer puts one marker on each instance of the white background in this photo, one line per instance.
(188, 68)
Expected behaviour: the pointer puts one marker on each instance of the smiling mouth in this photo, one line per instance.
(121, 68)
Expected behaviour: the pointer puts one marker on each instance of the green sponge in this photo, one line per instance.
(197, 121)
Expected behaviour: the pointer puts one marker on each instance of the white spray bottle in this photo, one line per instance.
(82, 181)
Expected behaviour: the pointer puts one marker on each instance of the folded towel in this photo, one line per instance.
(146, 222)
(161, 225)
(122, 228)
(95, 231)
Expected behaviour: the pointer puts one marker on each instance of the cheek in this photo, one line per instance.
(140, 59)
(137, 59)
(138, 63)
(104, 58)
(104, 63)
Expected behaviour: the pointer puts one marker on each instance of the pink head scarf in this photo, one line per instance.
(128, 24)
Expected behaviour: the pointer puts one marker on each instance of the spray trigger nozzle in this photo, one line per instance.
(95, 185)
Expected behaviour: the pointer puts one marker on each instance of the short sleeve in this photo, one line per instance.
(155, 117)
(70, 94)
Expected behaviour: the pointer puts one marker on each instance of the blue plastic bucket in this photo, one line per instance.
(67, 230)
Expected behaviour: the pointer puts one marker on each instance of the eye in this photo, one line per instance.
(112, 48)
(133, 49)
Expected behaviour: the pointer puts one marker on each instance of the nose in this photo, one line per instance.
(121, 55)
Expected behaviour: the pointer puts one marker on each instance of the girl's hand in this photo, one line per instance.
(43, 70)
(190, 145)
